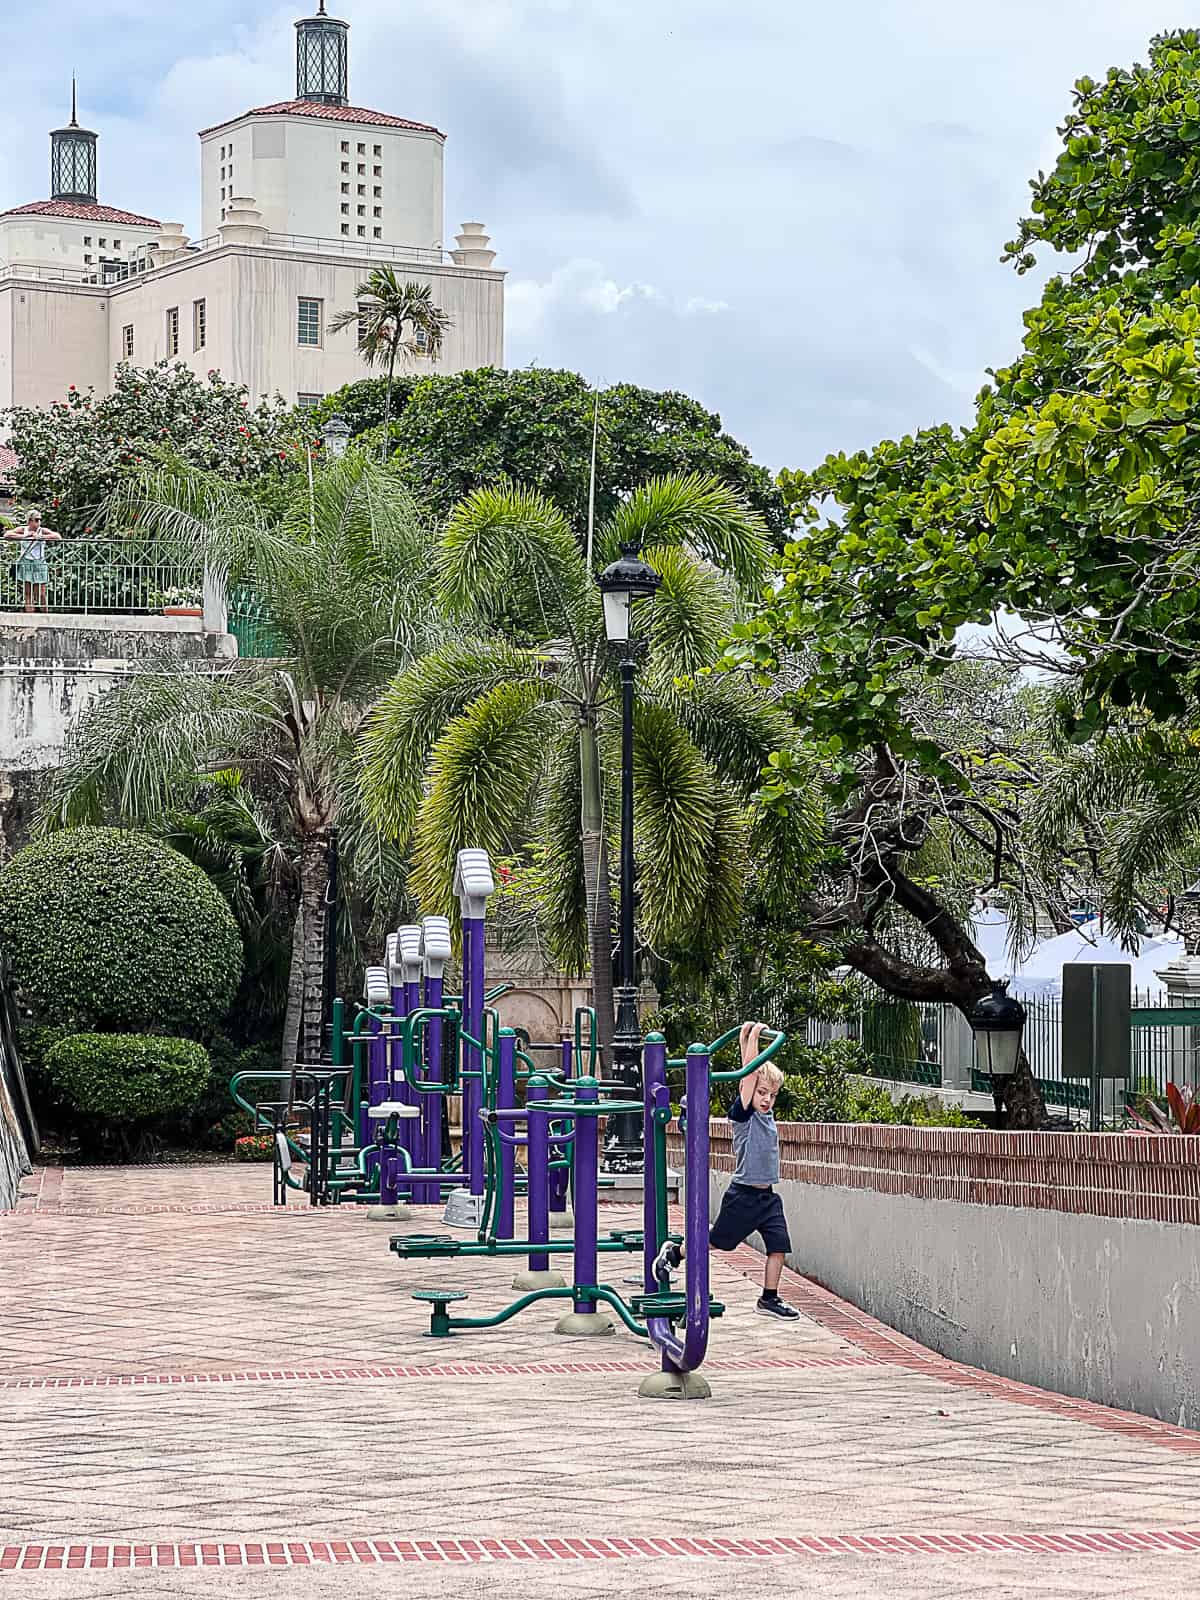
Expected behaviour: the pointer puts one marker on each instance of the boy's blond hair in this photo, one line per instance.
(770, 1075)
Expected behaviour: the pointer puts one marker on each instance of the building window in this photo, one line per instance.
(345, 208)
(362, 149)
(87, 261)
(421, 341)
(378, 211)
(362, 233)
(362, 169)
(116, 244)
(309, 322)
(127, 341)
(309, 402)
(222, 174)
(378, 193)
(378, 171)
(345, 147)
(104, 244)
(379, 233)
(362, 211)
(345, 188)
(345, 227)
(173, 331)
(378, 149)
(199, 324)
(345, 166)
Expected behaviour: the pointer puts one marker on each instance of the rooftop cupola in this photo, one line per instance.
(73, 160)
(323, 59)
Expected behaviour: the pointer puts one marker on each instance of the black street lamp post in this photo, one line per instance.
(998, 1022)
(627, 580)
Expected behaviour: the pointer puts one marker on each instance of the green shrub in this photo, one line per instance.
(128, 1077)
(112, 929)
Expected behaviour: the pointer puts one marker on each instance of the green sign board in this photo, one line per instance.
(1096, 1021)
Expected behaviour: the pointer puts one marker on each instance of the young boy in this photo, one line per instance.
(751, 1204)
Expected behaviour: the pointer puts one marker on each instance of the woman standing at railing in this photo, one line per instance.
(31, 569)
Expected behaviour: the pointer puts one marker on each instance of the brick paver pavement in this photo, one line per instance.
(191, 1380)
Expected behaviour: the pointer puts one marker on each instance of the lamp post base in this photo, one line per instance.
(623, 1154)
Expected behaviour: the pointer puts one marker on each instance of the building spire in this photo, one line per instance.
(73, 158)
(74, 104)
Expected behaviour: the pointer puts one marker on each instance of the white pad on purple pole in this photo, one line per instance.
(473, 883)
(392, 957)
(377, 987)
(438, 945)
(410, 954)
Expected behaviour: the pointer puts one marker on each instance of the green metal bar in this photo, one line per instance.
(597, 1291)
(760, 1060)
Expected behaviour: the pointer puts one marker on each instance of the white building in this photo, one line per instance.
(298, 201)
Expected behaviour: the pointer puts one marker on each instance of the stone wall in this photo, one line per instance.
(51, 669)
(1070, 1261)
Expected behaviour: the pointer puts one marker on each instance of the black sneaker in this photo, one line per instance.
(667, 1261)
(775, 1307)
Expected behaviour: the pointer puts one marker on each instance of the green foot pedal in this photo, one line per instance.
(439, 1317)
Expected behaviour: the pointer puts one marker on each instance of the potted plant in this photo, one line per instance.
(185, 600)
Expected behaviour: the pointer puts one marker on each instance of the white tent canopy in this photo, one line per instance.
(1040, 973)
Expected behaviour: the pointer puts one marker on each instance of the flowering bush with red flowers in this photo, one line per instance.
(255, 1147)
(75, 452)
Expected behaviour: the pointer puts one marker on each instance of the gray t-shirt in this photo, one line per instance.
(755, 1144)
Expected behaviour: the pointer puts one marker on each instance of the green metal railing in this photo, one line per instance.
(95, 576)
(252, 626)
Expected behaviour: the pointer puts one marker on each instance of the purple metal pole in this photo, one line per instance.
(506, 1100)
(377, 1093)
(473, 1020)
(687, 1355)
(654, 1073)
(431, 1104)
(587, 1196)
(537, 1158)
(560, 1178)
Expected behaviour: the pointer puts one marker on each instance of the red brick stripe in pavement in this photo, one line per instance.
(378, 1552)
(453, 1369)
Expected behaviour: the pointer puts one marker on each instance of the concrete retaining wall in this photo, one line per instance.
(1067, 1261)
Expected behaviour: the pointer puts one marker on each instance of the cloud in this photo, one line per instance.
(793, 212)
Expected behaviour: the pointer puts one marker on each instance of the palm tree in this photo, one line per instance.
(511, 731)
(394, 319)
(342, 573)
(1126, 806)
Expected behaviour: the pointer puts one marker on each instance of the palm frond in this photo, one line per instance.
(483, 770)
(696, 511)
(736, 725)
(413, 712)
(132, 749)
(686, 620)
(508, 551)
(678, 813)
(564, 902)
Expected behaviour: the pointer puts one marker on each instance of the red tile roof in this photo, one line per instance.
(9, 462)
(314, 108)
(80, 211)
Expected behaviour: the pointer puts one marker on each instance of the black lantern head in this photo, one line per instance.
(998, 1022)
(629, 579)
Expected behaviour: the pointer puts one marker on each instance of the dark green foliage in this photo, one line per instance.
(460, 433)
(113, 929)
(128, 1077)
(361, 405)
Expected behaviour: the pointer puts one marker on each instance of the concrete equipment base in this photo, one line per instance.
(389, 1214)
(463, 1209)
(525, 1281)
(674, 1386)
(562, 1221)
(584, 1325)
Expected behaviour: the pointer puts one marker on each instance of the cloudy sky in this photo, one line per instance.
(792, 211)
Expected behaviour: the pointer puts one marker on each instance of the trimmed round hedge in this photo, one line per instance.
(124, 1077)
(116, 930)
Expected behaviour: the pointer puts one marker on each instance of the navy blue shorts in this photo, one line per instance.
(746, 1210)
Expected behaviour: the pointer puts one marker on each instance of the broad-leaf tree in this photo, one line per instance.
(343, 575)
(511, 733)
